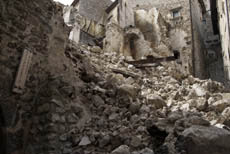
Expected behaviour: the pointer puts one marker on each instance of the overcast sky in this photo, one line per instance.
(67, 2)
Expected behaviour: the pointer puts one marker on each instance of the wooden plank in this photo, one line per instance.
(125, 74)
(151, 60)
(23, 70)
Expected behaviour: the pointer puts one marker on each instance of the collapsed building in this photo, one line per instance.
(86, 95)
(140, 28)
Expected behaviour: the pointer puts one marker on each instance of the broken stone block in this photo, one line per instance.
(156, 100)
(104, 141)
(146, 151)
(98, 101)
(220, 105)
(134, 107)
(129, 90)
(96, 49)
(135, 141)
(200, 92)
(84, 141)
(201, 104)
(123, 149)
(44, 108)
(205, 140)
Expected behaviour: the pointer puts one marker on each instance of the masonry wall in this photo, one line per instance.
(199, 48)
(35, 119)
(94, 9)
(179, 28)
(126, 13)
(223, 11)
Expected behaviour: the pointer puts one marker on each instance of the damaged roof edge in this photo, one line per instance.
(75, 2)
(112, 6)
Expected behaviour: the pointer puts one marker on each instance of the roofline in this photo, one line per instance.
(75, 2)
(112, 6)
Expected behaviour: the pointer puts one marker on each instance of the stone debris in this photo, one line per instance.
(123, 149)
(81, 99)
(149, 110)
(85, 141)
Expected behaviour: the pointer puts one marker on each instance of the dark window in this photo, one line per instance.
(214, 15)
(176, 13)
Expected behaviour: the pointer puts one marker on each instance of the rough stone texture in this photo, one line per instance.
(33, 125)
(206, 140)
(123, 149)
(79, 101)
(93, 9)
(223, 8)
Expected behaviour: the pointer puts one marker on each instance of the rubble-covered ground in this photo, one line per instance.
(82, 100)
(146, 109)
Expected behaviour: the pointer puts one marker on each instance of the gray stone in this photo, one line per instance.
(84, 141)
(55, 118)
(206, 140)
(57, 102)
(200, 92)
(129, 90)
(156, 100)
(113, 116)
(201, 104)
(104, 141)
(220, 105)
(146, 151)
(123, 149)
(67, 151)
(63, 137)
(134, 107)
(97, 100)
(135, 141)
(96, 49)
(44, 108)
(72, 118)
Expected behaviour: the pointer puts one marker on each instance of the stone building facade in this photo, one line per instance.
(198, 29)
(86, 18)
(224, 28)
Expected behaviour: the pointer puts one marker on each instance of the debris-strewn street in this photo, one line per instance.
(115, 77)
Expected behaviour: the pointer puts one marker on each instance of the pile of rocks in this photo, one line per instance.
(126, 104)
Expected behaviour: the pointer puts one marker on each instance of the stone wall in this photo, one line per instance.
(223, 11)
(114, 38)
(93, 9)
(198, 41)
(38, 119)
(179, 27)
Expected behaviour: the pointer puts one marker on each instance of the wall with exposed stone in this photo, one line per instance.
(174, 28)
(93, 9)
(223, 11)
(37, 120)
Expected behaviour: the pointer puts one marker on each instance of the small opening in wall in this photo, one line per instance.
(176, 13)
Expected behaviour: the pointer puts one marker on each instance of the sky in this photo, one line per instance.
(67, 2)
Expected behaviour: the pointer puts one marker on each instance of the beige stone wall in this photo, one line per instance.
(114, 38)
(223, 9)
(173, 33)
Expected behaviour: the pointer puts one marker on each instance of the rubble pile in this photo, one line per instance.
(79, 99)
(142, 111)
